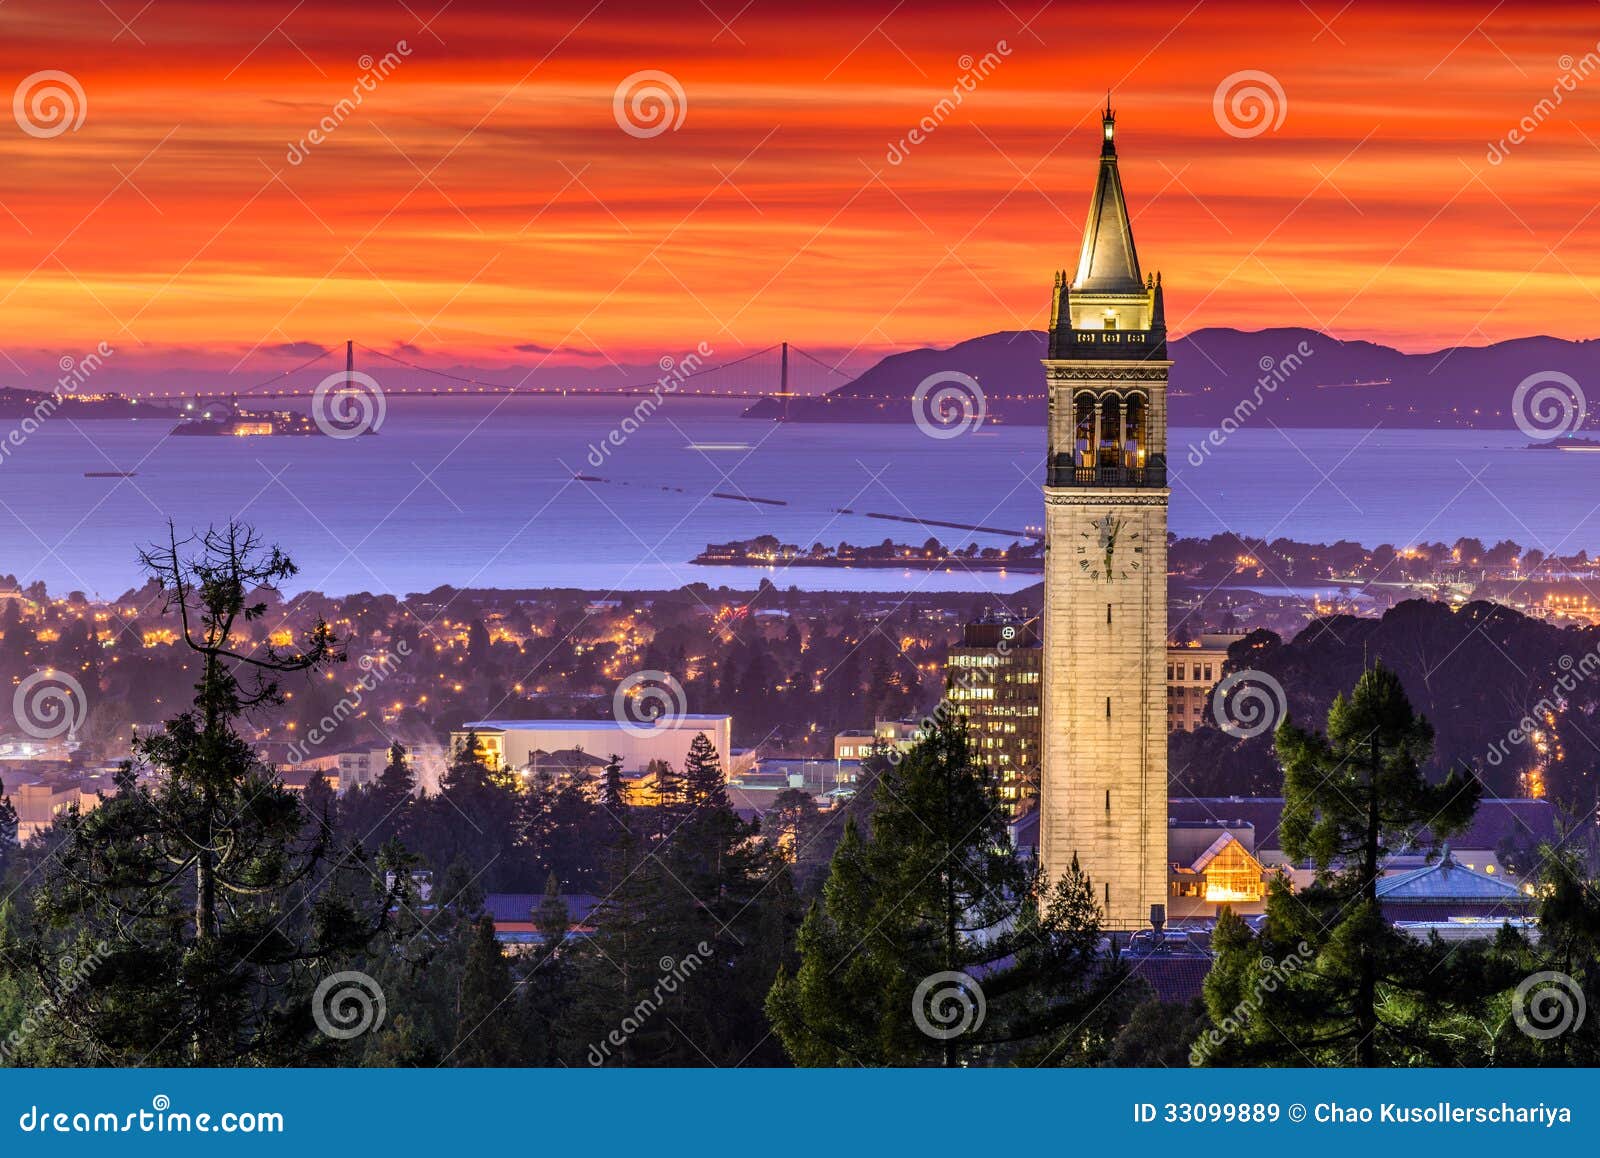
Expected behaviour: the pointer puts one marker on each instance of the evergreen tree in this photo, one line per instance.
(199, 908)
(911, 919)
(487, 1022)
(8, 831)
(704, 785)
(474, 821)
(1360, 991)
(613, 789)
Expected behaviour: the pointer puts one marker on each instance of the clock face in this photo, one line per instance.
(1108, 549)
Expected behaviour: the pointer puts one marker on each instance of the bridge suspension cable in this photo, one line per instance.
(698, 372)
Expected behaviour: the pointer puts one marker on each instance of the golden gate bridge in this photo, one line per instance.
(700, 381)
(780, 371)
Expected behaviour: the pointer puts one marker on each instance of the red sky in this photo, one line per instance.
(483, 196)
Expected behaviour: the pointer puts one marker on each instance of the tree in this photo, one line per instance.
(8, 830)
(704, 785)
(1359, 989)
(474, 821)
(198, 905)
(487, 1025)
(613, 789)
(911, 919)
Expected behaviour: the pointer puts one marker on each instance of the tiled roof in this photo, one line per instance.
(1176, 977)
(1445, 881)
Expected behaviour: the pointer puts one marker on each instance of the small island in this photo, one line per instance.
(1566, 442)
(768, 551)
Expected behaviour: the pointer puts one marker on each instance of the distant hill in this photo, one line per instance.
(1337, 383)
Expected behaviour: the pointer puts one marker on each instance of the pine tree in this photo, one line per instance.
(1351, 798)
(614, 790)
(911, 918)
(487, 1022)
(8, 830)
(704, 785)
(205, 906)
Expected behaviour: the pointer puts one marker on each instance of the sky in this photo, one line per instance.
(487, 203)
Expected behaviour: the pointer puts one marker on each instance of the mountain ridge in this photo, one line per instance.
(1305, 377)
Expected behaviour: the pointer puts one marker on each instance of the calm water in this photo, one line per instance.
(468, 492)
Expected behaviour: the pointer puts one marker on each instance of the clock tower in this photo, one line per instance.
(1103, 790)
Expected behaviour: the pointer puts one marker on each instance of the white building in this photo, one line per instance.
(512, 743)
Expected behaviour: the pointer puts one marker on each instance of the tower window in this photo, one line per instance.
(1108, 707)
(1108, 615)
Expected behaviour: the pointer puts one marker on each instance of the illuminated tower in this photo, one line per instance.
(1103, 792)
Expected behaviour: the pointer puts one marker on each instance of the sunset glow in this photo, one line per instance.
(483, 206)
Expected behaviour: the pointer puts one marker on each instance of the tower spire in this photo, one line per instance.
(1109, 263)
